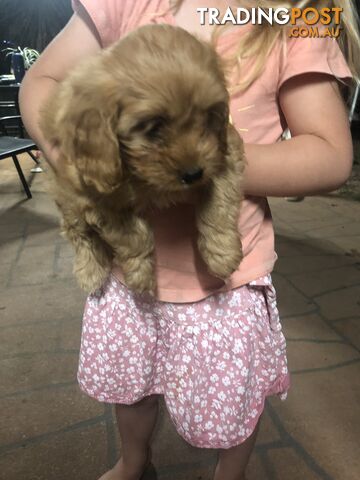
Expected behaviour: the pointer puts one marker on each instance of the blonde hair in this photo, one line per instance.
(257, 43)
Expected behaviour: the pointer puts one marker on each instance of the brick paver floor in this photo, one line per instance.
(50, 431)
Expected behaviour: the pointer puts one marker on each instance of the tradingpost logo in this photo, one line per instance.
(303, 22)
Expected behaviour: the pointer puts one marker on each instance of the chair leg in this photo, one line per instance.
(36, 160)
(21, 175)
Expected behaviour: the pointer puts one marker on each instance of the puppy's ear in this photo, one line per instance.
(218, 115)
(93, 146)
(82, 120)
(218, 120)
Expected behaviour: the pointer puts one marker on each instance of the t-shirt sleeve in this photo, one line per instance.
(313, 55)
(108, 17)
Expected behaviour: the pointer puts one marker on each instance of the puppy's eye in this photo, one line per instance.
(156, 128)
(151, 128)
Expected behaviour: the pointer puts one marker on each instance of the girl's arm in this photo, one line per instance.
(77, 40)
(318, 157)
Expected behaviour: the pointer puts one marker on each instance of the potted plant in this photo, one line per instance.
(21, 60)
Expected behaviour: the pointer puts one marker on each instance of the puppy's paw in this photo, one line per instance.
(141, 285)
(222, 254)
(90, 275)
(141, 277)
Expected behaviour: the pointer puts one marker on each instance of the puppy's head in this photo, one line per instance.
(173, 125)
(155, 105)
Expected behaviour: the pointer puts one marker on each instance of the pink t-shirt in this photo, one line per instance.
(181, 273)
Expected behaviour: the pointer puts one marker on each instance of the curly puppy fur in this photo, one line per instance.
(145, 123)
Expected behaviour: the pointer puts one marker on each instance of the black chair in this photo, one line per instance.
(9, 97)
(11, 146)
(7, 80)
(9, 103)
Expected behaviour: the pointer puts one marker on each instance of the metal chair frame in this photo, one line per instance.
(12, 146)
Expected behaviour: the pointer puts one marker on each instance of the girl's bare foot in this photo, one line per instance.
(131, 470)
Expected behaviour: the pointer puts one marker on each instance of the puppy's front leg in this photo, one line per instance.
(218, 214)
(93, 257)
(132, 241)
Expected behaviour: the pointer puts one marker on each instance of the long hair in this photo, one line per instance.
(257, 43)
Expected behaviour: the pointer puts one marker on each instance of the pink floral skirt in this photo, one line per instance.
(214, 361)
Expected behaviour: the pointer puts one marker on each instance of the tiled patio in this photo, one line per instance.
(50, 431)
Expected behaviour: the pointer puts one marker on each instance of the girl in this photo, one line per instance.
(214, 351)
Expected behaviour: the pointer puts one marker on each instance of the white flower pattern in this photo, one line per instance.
(215, 360)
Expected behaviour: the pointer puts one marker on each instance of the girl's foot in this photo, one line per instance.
(133, 471)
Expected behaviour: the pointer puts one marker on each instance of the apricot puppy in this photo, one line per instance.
(145, 122)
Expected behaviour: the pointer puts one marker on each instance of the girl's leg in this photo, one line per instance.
(232, 462)
(136, 423)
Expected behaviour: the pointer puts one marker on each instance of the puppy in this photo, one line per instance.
(145, 123)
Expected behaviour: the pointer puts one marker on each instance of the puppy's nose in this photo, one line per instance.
(192, 175)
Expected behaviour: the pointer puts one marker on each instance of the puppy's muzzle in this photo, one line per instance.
(192, 176)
